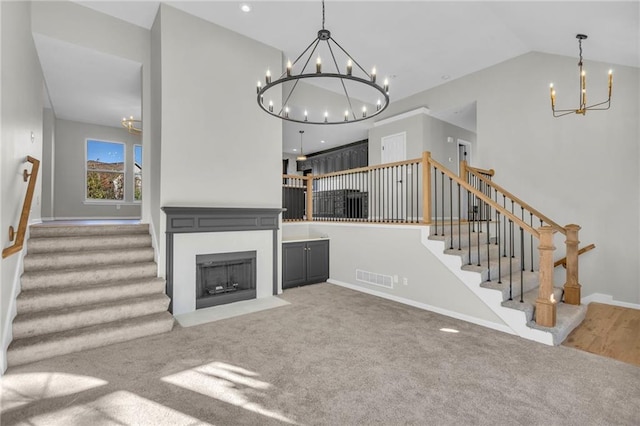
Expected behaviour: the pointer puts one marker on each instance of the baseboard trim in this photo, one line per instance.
(7, 331)
(608, 300)
(426, 307)
(99, 218)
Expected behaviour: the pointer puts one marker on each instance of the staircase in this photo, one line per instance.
(85, 287)
(499, 286)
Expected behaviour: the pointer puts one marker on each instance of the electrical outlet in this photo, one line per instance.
(117, 206)
(405, 281)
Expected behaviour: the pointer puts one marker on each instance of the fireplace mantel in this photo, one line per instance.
(218, 219)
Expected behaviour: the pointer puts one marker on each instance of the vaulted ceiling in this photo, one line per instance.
(417, 44)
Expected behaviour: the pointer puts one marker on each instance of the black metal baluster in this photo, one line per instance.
(488, 216)
(510, 261)
(451, 211)
(521, 265)
(478, 232)
(459, 219)
(435, 193)
(504, 225)
(531, 240)
(442, 197)
(499, 243)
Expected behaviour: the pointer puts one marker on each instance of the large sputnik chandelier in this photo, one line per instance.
(583, 108)
(363, 97)
(133, 126)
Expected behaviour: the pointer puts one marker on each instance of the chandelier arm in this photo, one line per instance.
(564, 113)
(316, 41)
(351, 57)
(346, 92)
(598, 104)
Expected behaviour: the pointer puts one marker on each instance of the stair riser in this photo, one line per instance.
(39, 351)
(529, 284)
(73, 277)
(50, 231)
(87, 258)
(504, 269)
(82, 296)
(61, 321)
(77, 244)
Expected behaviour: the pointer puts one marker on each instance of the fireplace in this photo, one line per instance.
(225, 278)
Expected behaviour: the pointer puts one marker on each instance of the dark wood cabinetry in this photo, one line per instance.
(305, 262)
(345, 157)
(341, 203)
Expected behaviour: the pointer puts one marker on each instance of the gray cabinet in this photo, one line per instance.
(337, 159)
(305, 262)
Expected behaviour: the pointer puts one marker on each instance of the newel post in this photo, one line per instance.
(545, 303)
(463, 171)
(309, 198)
(426, 187)
(572, 287)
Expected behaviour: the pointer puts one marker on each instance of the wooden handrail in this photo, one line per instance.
(295, 177)
(26, 208)
(489, 172)
(497, 187)
(485, 198)
(563, 261)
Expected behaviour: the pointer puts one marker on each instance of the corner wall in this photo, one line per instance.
(22, 111)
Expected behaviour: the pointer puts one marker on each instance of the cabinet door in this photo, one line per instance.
(294, 264)
(317, 261)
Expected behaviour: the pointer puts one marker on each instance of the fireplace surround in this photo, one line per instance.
(192, 231)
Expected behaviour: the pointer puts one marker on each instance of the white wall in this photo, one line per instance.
(218, 148)
(575, 169)
(47, 166)
(22, 105)
(396, 251)
(69, 173)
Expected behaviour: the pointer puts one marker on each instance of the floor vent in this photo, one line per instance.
(375, 279)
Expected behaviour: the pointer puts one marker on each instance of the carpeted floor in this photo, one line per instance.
(331, 357)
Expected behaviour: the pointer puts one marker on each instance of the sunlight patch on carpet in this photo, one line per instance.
(23, 389)
(117, 408)
(227, 383)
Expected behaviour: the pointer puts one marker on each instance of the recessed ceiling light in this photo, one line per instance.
(245, 8)
(446, 77)
(295, 150)
(321, 141)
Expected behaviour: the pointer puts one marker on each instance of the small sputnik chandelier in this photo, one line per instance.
(583, 108)
(366, 100)
(133, 126)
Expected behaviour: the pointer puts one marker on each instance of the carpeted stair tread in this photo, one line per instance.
(568, 317)
(70, 260)
(492, 250)
(530, 282)
(53, 321)
(89, 275)
(48, 230)
(495, 267)
(91, 242)
(23, 351)
(65, 297)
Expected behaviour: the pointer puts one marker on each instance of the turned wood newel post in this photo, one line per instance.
(463, 171)
(426, 187)
(572, 287)
(545, 303)
(309, 198)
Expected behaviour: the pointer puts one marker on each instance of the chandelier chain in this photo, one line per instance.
(323, 14)
(580, 47)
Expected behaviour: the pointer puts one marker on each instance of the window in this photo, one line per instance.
(137, 172)
(105, 170)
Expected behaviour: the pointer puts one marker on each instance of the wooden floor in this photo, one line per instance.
(610, 331)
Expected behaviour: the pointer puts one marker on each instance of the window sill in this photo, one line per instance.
(111, 203)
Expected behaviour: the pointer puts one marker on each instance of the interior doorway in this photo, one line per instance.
(464, 153)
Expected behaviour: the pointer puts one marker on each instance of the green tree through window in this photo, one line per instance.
(105, 170)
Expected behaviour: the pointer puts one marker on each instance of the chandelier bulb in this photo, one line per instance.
(268, 77)
(288, 68)
(349, 67)
(318, 65)
(373, 75)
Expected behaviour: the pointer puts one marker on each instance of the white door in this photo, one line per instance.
(394, 148)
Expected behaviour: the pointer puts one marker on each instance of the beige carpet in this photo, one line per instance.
(331, 357)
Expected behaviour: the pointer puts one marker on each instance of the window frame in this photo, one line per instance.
(88, 200)
(133, 163)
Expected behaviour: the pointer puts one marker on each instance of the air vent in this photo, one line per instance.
(375, 279)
